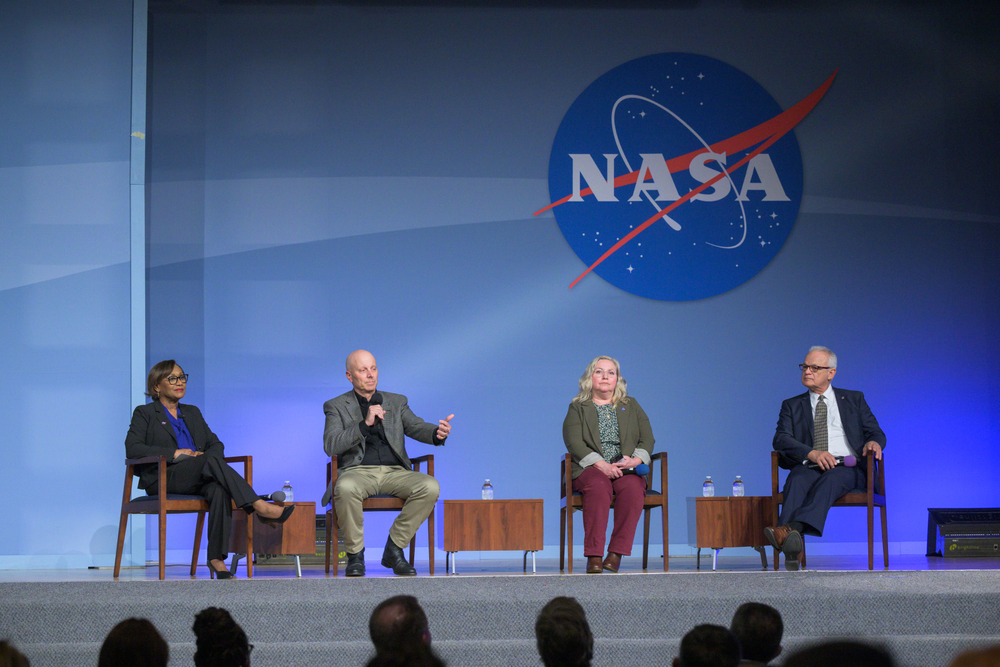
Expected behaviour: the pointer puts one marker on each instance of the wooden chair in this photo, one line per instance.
(379, 503)
(174, 503)
(871, 497)
(570, 500)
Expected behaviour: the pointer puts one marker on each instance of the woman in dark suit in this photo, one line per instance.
(607, 434)
(195, 465)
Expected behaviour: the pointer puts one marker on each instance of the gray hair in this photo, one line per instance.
(831, 361)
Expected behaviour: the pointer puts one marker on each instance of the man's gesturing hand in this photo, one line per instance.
(445, 427)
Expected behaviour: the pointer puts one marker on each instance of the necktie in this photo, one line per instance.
(821, 440)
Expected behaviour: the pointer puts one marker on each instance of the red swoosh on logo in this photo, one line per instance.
(768, 132)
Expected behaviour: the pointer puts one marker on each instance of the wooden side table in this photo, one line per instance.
(296, 536)
(492, 525)
(717, 523)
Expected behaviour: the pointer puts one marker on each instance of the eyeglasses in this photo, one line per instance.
(174, 379)
(814, 369)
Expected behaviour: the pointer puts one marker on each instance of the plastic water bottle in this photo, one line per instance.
(738, 488)
(708, 488)
(287, 488)
(487, 491)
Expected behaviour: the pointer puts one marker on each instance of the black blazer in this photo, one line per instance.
(151, 434)
(793, 438)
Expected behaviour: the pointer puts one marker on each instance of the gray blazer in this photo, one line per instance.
(342, 435)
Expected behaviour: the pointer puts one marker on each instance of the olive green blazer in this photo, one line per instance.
(583, 437)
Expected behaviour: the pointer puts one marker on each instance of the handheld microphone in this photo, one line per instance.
(376, 399)
(277, 496)
(850, 461)
(642, 470)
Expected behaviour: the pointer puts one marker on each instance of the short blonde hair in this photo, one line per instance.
(587, 383)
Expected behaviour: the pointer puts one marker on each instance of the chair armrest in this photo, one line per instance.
(331, 470)
(662, 458)
(566, 476)
(144, 459)
(774, 474)
(247, 462)
(870, 463)
(426, 458)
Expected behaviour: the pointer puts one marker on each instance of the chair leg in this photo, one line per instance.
(666, 537)
(885, 541)
(871, 536)
(331, 529)
(163, 542)
(803, 551)
(199, 527)
(123, 523)
(645, 539)
(430, 541)
(249, 546)
(413, 549)
(569, 539)
(562, 539)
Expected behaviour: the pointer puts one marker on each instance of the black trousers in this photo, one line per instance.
(809, 494)
(210, 476)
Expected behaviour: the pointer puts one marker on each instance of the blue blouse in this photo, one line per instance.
(184, 439)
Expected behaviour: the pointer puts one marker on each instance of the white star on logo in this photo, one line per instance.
(630, 269)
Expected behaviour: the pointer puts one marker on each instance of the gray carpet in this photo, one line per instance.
(925, 617)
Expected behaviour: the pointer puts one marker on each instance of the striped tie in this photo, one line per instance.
(821, 439)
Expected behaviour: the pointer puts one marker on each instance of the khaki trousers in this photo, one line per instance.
(418, 491)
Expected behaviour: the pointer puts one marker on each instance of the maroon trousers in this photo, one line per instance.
(597, 490)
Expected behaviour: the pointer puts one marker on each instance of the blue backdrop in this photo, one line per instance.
(327, 178)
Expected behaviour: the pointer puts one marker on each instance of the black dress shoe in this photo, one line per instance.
(285, 513)
(355, 564)
(220, 574)
(393, 559)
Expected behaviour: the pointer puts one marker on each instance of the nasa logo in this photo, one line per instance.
(676, 176)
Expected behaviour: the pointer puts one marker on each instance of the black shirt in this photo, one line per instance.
(377, 449)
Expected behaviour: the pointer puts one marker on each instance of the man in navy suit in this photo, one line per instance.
(811, 448)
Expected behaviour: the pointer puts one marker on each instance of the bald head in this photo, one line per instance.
(362, 372)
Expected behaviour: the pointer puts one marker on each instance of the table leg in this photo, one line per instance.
(533, 561)
(763, 556)
(715, 558)
(524, 562)
(235, 563)
(298, 566)
(697, 562)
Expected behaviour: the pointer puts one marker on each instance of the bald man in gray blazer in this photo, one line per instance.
(368, 440)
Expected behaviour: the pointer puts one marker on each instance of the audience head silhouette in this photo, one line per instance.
(412, 655)
(220, 641)
(398, 622)
(134, 643)
(758, 627)
(843, 652)
(708, 646)
(563, 634)
(11, 657)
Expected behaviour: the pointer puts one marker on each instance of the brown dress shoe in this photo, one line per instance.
(594, 565)
(612, 562)
(784, 539)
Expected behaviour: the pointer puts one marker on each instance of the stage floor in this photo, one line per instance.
(501, 567)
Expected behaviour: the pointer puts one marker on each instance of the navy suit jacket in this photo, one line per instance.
(151, 434)
(793, 438)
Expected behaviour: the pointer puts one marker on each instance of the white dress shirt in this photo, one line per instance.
(834, 427)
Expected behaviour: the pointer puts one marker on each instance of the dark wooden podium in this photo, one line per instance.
(719, 522)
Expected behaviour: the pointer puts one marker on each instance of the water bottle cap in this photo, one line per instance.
(709, 477)
(737, 477)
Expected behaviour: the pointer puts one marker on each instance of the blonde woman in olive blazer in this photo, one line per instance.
(596, 477)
